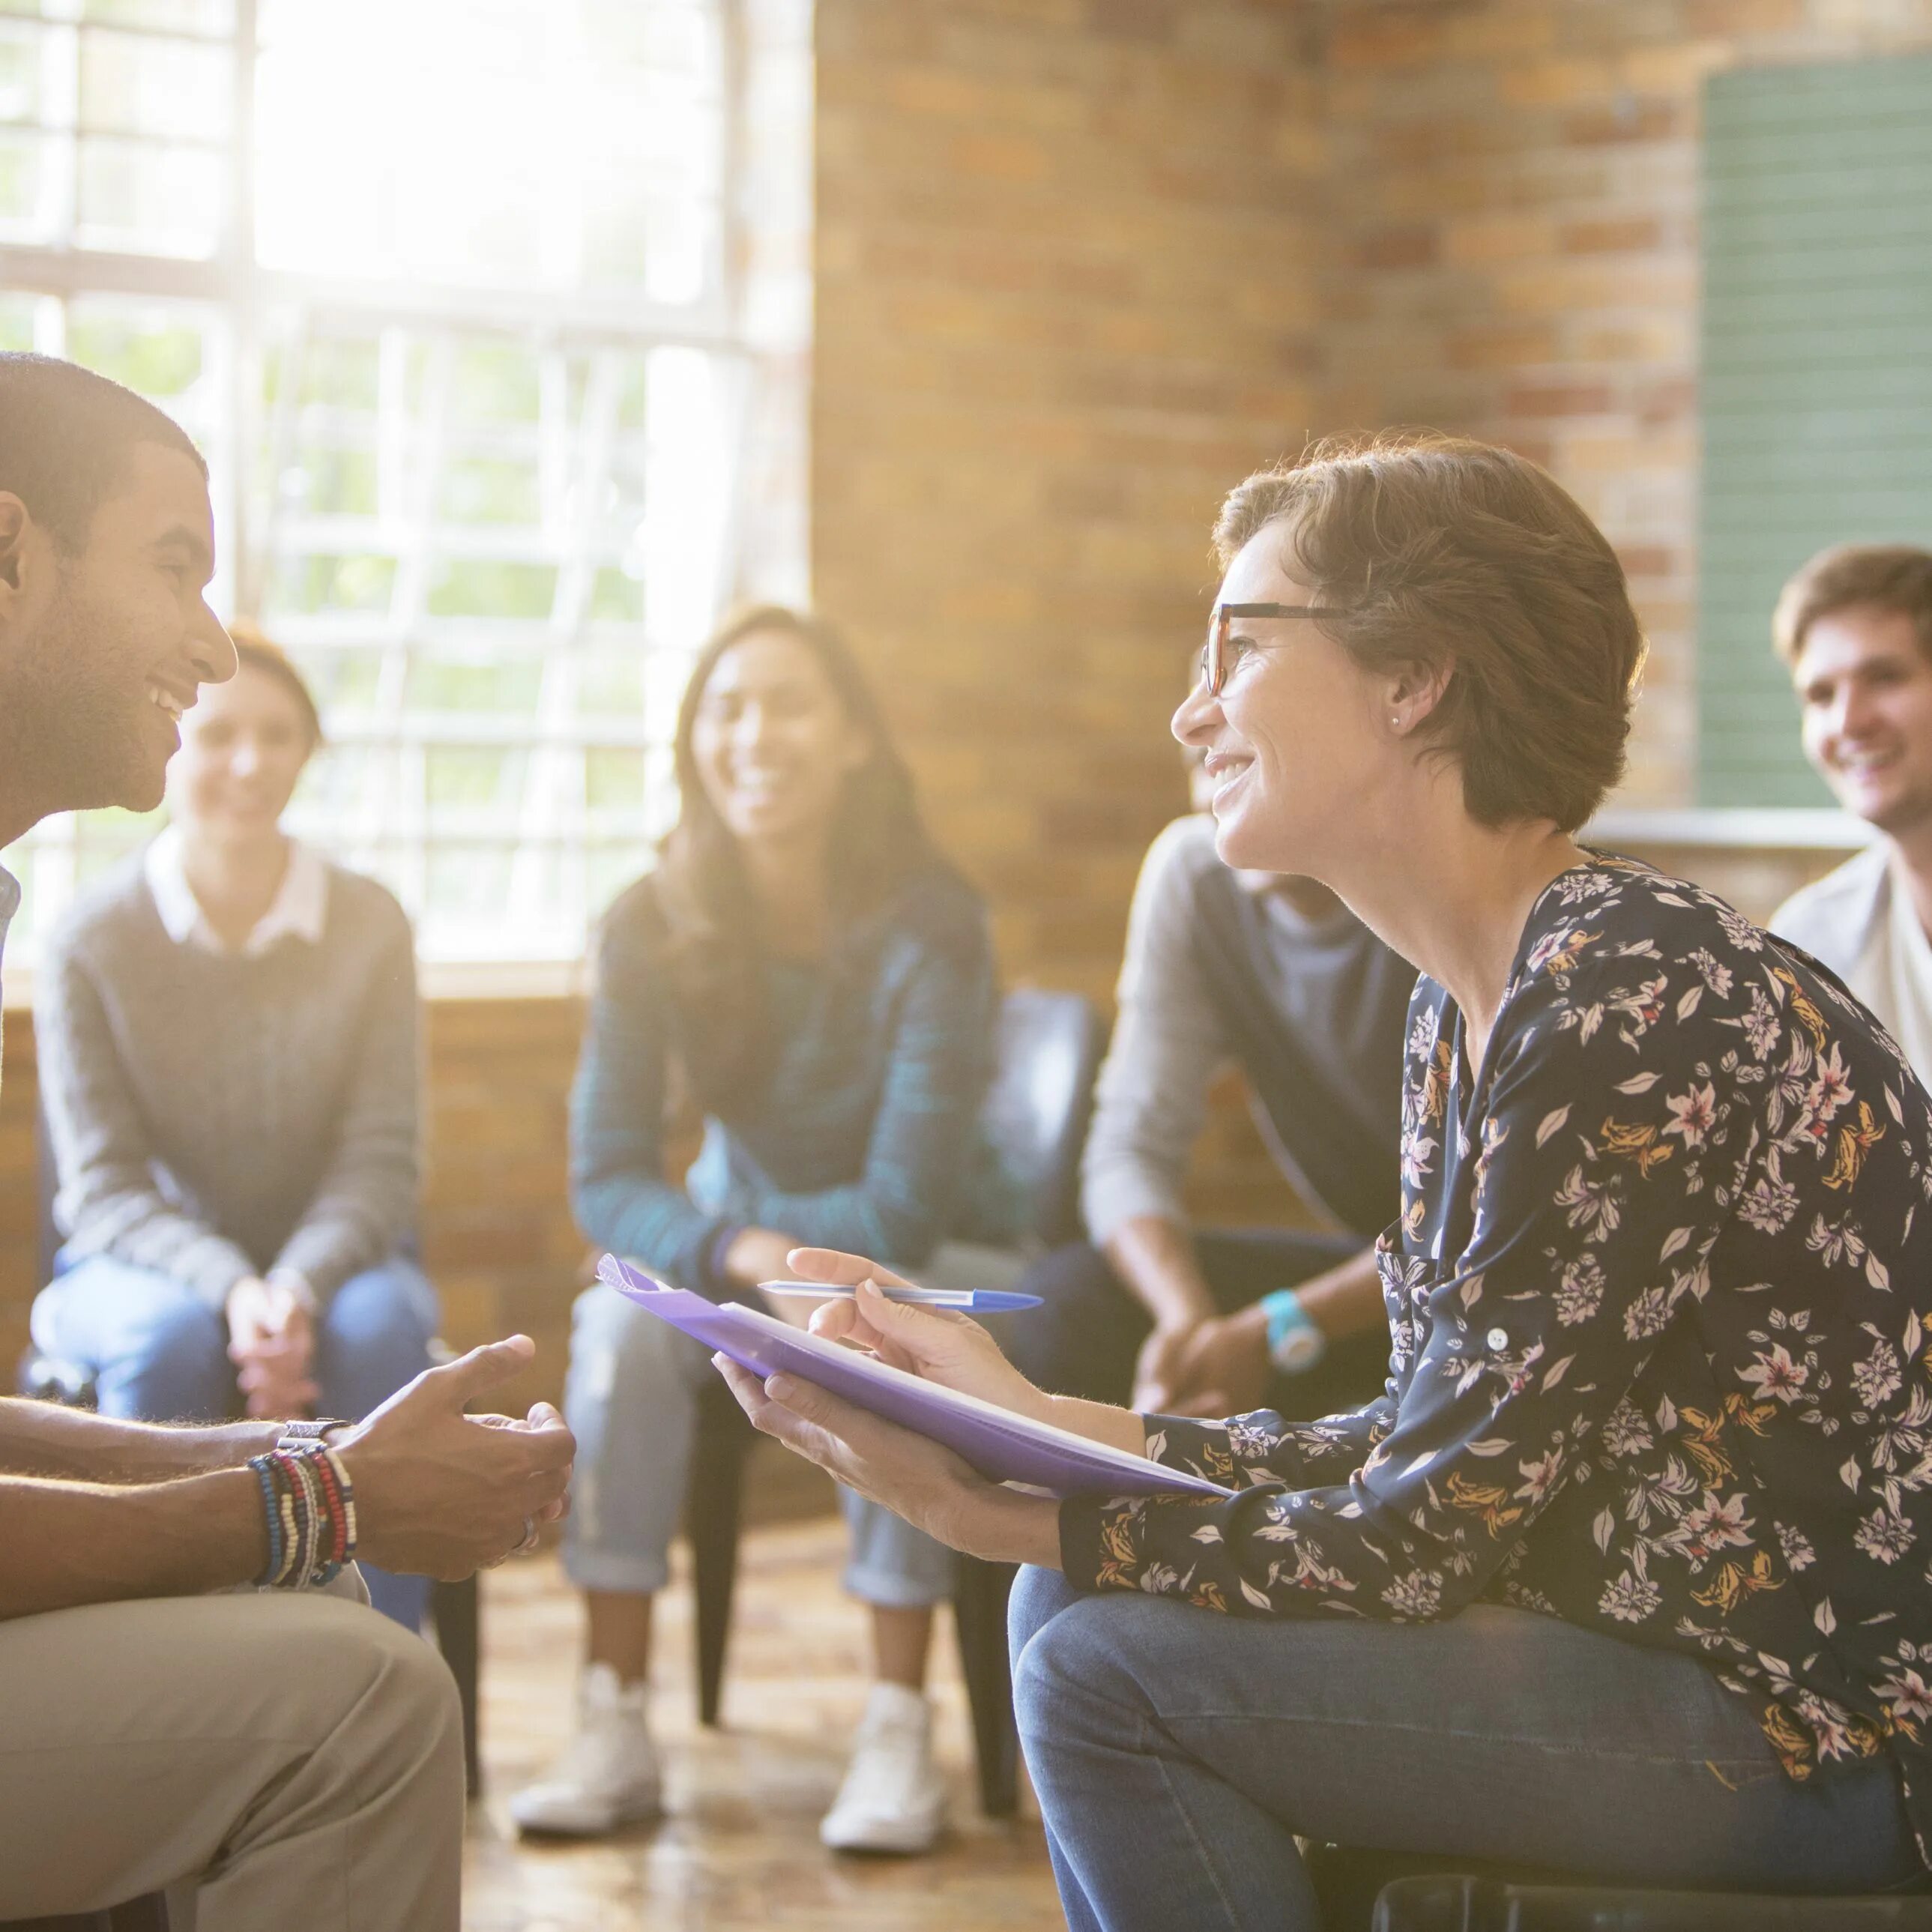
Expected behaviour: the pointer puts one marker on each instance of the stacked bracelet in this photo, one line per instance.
(310, 1511)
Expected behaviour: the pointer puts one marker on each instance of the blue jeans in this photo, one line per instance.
(1177, 1752)
(158, 1353)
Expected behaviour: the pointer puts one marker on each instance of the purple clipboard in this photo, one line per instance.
(1003, 1448)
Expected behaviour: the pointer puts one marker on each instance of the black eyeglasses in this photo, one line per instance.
(1220, 628)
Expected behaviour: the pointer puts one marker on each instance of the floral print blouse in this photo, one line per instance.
(1660, 1300)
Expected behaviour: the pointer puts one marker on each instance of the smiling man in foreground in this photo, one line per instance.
(295, 1758)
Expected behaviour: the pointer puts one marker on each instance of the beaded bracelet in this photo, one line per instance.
(310, 1508)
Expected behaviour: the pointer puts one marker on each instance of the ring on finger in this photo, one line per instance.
(530, 1538)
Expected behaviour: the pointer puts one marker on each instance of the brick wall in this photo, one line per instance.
(1065, 295)
(1514, 254)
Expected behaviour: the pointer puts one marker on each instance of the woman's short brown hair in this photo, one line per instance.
(256, 653)
(1884, 577)
(1439, 548)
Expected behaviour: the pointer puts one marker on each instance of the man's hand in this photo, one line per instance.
(272, 1342)
(1158, 1377)
(439, 1493)
(1220, 1367)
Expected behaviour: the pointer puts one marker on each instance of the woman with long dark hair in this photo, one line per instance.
(805, 970)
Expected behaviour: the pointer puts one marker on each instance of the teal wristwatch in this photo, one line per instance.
(1295, 1344)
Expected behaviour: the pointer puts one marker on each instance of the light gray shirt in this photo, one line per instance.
(1313, 1010)
(1861, 922)
(218, 1114)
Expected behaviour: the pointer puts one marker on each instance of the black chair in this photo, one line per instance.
(140, 1915)
(454, 1608)
(1460, 1903)
(1050, 1045)
(1378, 1891)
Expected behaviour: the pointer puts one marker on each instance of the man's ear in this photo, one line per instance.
(15, 525)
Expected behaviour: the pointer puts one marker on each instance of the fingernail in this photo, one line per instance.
(781, 1388)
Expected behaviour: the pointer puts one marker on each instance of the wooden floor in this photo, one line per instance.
(738, 1848)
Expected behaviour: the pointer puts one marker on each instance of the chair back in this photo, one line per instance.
(1048, 1055)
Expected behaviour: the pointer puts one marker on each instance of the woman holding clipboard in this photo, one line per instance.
(1623, 1576)
(805, 971)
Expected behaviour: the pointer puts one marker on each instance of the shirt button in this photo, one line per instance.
(1498, 1338)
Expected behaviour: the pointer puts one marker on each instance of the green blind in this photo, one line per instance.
(1816, 383)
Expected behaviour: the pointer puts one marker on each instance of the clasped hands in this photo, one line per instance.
(272, 1342)
(1214, 1367)
(916, 1478)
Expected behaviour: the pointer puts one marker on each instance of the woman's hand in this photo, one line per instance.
(939, 1344)
(928, 1485)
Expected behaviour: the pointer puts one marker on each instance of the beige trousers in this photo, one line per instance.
(288, 1759)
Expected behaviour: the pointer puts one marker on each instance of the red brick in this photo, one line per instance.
(1605, 238)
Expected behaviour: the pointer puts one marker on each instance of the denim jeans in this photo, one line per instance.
(158, 1353)
(1177, 1752)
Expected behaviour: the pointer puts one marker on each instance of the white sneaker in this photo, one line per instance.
(892, 1799)
(608, 1774)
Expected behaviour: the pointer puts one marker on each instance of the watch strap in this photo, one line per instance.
(1294, 1343)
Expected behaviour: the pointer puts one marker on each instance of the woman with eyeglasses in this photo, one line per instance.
(1623, 1575)
(804, 971)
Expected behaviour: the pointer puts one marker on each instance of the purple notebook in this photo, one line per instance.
(1002, 1446)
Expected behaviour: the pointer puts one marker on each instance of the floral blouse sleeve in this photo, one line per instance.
(1597, 1168)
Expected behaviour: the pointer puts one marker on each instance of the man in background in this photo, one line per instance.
(1854, 627)
(1278, 977)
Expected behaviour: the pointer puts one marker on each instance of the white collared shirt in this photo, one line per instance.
(298, 910)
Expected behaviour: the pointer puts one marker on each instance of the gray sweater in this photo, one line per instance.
(214, 1116)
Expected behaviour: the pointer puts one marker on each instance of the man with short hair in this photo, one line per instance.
(1275, 975)
(1855, 629)
(287, 1755)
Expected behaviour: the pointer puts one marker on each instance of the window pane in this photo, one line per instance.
(482, 587)
(471, 883)
(613, 779)
(24, 212)
(149, 200)
(604, 96)
(137, 84)
(448, 681)
(342, 678)
(313, 583)
(207, 17)
(20, 71)
(486, 490)
(610, 684)
(16, 321)
(153, 351)
(473, 779)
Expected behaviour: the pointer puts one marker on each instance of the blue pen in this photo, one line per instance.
(968, 1301)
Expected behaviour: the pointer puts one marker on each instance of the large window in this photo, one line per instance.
(463, 300)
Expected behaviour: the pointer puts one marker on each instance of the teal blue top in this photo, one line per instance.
(865, 1135)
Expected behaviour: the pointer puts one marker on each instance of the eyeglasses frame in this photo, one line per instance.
(1214, 651)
